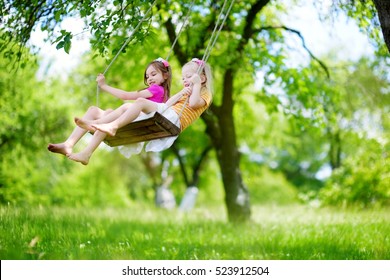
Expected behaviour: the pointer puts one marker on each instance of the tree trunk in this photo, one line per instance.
(383, 8)
(236, 193)
(334, 149)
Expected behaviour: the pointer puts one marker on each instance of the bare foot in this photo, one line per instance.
(80, 157)
(84, 124)
(60, 148)
(106, 128)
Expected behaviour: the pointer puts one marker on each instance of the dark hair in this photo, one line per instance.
(167, 73)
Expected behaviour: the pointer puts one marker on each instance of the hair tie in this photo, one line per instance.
(163, 61)
(198, 61)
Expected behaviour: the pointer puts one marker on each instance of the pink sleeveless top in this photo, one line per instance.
(158, 93)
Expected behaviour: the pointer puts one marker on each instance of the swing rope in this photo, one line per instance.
(215, 34)
(123, 46)
(210, 45)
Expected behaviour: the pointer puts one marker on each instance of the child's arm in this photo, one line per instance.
(196, 100)
(124, 95)
(171, 101)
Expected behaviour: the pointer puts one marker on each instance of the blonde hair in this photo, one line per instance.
(206, 71)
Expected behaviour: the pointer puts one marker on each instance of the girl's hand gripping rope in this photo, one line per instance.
(195, 79)
(101, 80)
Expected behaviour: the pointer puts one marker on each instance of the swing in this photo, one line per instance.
(157, 126)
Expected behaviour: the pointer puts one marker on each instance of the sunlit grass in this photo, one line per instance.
(144, 232)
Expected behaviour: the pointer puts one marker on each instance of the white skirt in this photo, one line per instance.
(156, 145)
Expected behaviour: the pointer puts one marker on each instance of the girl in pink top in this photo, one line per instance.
(157, 78)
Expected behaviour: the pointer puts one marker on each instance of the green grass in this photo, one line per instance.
(143, 232)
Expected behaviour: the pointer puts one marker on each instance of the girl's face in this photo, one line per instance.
(187, 73)
(154, 76)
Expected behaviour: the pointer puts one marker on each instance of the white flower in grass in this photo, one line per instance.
(82, 245)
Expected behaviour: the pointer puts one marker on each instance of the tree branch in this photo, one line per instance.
(212, 124)
(181, 163)
(197, 166)
(206, 32)
(177, 49)
(323, 66)
(250, 18)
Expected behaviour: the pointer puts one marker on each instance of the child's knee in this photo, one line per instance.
(93, 109)
(92, 112)
(145, 105)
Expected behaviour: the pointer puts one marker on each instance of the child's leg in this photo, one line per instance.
(67, 146)
(140, 105)
(83, 157)
(113, 115)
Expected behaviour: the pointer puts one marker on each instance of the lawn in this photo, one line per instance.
(143, 232)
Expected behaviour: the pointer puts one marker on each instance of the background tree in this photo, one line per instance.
(23, 131)
(383, 8)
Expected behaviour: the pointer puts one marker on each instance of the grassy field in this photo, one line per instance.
(144, 232)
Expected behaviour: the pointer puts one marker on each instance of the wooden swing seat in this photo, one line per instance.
(156, 127)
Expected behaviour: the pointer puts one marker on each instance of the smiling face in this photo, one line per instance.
(154, 76)
(188, 71)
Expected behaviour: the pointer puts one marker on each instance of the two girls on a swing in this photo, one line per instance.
(197, 89)
(158, 78)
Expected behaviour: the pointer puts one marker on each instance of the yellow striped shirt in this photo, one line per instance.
(189, 115)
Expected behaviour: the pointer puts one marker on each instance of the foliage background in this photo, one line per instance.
(298, 123)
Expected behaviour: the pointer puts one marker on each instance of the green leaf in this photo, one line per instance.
(57, 15)
(67, 46)
(60, 45)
